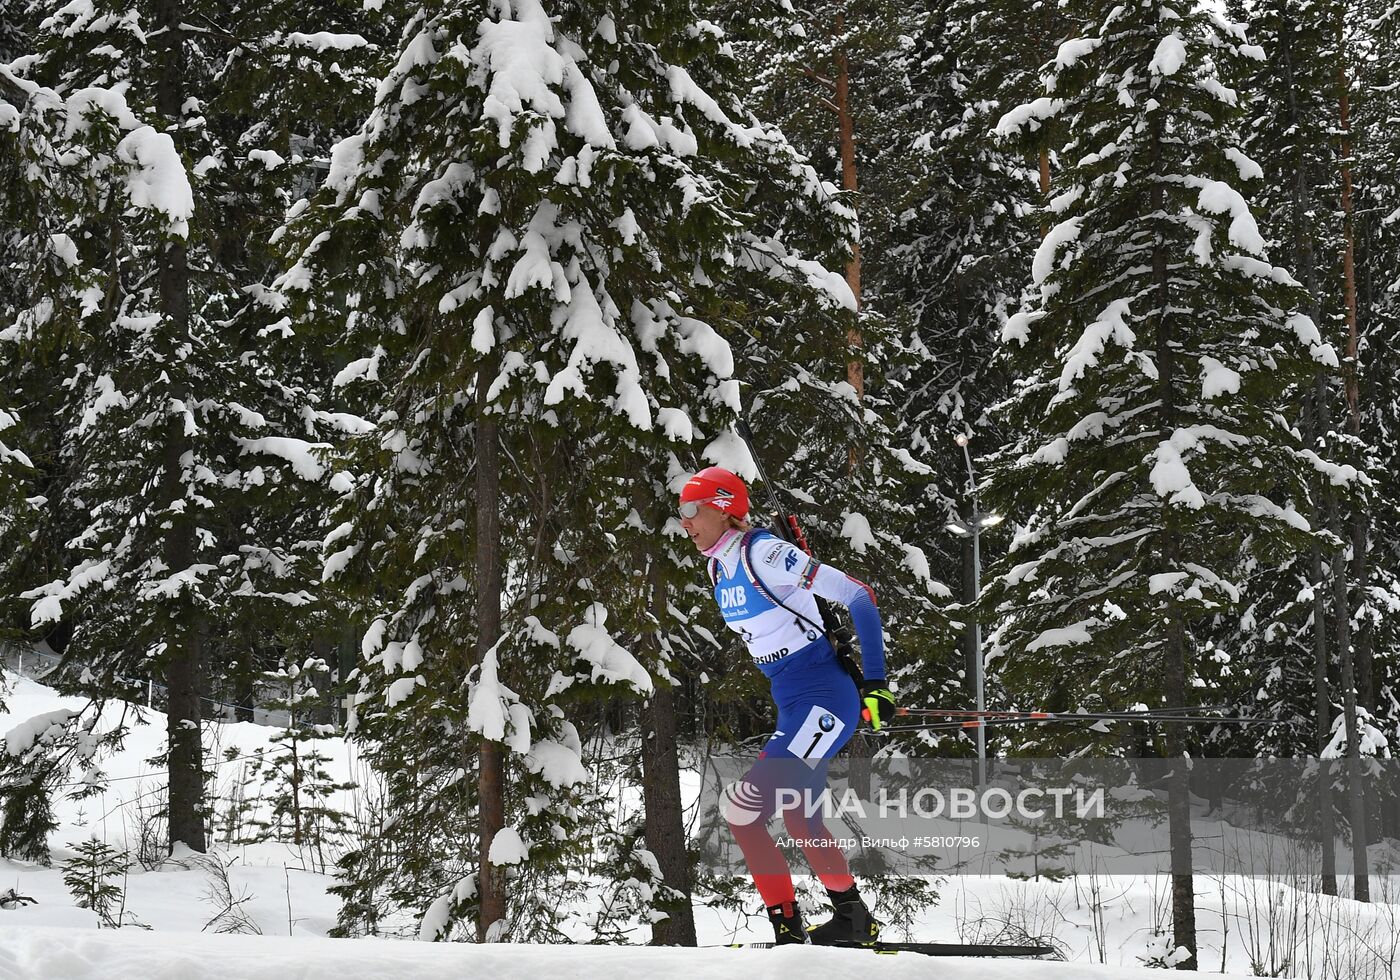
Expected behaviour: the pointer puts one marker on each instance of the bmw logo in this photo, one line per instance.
(826, 722)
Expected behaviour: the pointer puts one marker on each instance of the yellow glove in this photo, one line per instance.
(877, 703)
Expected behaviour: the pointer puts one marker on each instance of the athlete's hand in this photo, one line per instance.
(877, 703)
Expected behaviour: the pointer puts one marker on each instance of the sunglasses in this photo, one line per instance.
(690, 508)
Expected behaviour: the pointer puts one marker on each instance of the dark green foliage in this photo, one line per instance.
(27, 820)
(297, 789)
(1374, 53)
(857, 462)
(595, 271)
(168, 426)
(91, 876)
(1150, 465)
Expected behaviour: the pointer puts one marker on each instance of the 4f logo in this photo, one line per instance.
(790, 562)
(733, 597)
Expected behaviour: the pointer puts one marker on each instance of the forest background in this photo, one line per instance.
(356, 354)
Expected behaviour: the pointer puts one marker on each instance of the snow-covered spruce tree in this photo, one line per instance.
(1292, 112)
(98, 181)
(297, 789)
(158, 430)
(533, 252)
(1373, 45)
(299, 80)
(1003, 49)
(17, 21)
(1281, 649)
(1153, 457)
(1377, 114)
(15, 466)
(953, 256)
(31, 240)
(17, 510)
(962, 238)
(846, 81)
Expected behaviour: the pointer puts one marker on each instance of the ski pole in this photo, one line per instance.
(1045, 718)
(964, 713)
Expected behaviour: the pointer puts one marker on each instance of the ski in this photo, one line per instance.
(923, 949)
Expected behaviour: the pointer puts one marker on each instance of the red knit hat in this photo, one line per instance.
(720, 489)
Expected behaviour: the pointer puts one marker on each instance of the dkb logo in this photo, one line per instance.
(732, 597)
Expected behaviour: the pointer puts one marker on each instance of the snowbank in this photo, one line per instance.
(282, 894)
(67, 954)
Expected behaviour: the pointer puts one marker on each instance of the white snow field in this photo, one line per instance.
(69, 954)
(1106, 926)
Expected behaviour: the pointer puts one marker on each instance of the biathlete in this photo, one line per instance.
(767, 591)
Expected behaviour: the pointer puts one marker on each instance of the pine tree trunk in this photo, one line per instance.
(183, 678)
(1179, 792)
(860, 749)
(969, 635)
(1356, 792)
(347, 659)
(244, 689)
(965, 541)
(184, 734)
(296, 761)
(665, 824)
(1352, 658)
(1327, 832)
(855, 368)
(489, 579)
(1360, 522)
(665, 820)
(1306, 260)
(1341, 612)
(664, 816)
(1174, 668)
(1322, 700)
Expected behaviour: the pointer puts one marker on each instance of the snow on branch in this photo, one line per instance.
(1218, 197)
(491, 706)
(1066, 636)
(1030, 114)
(596, 339)
(49, 607)
(157, 181)
(1171, 479)
(1062, 234)
(298, 452)
(731, 452)
(38, 730)
(1112, 323)
(322, 41)
(610, 662)
(1307, 333)
(1169, 56)
(771, 256)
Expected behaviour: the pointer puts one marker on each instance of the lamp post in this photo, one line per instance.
(973, 529)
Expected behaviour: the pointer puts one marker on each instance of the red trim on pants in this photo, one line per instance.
(819, 847)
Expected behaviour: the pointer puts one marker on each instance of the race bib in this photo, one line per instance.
(818, 734)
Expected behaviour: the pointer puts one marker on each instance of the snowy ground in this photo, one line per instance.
(57, 954)
(1245, 925)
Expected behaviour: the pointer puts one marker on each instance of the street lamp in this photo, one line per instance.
(973, 529)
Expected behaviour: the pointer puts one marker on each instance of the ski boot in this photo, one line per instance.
(787, 923)
(851, 921)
